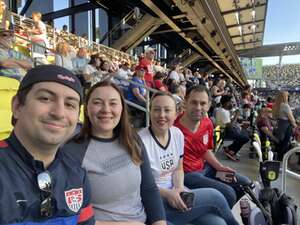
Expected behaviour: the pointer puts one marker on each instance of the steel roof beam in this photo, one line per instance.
(242, 9)
(26, 7)
(271, 50)
(69, 11)
(171, 30)
(246, 23)
(245, 43)
(179, 16)
(212, 9)
(246, 34)
(167, 20)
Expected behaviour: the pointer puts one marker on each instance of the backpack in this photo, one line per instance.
(283, 207)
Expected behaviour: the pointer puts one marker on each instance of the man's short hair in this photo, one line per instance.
(198, 88)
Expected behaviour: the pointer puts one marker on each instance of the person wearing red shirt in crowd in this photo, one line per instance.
(270, 102)
(147, 62)
(158, 81)
(199, 162)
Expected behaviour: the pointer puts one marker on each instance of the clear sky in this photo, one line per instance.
(282, 26)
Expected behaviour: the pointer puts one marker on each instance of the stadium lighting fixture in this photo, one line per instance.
(237, 17)
(240, 29)
(253, 14)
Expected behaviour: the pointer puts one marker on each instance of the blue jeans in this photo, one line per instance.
(206, 178)
(210, 207)
(239, 138)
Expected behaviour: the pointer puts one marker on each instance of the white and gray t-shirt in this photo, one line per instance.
(117, 197)
(163, 160)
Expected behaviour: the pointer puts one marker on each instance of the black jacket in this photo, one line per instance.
(21, 197)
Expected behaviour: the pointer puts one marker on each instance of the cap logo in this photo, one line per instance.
(65, 77)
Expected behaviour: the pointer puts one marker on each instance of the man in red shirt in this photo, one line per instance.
(147, 62)
(199, 162)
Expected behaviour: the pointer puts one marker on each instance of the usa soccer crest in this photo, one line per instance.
(205, 139)
(74, 199)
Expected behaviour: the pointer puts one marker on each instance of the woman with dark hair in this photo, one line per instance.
(122, 186)
(158, 81)
(107, 70)
(165, 147)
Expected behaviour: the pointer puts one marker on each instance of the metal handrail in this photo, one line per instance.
(285, 170)
(132, 14)
(148, 90)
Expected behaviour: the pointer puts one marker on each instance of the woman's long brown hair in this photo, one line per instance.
(127, 136)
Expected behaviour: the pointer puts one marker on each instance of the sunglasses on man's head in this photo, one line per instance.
(45, 185)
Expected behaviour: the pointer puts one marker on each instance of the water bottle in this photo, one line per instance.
(245, 210)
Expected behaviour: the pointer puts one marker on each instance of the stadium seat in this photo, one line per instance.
(219, 139)
(5, 123)
(8, 88)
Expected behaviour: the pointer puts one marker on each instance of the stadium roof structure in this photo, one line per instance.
(215, 29)
(245, 21)
(292, 48)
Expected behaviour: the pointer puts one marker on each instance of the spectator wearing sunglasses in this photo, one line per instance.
(39, 182)
(12, 64)
(137, 93)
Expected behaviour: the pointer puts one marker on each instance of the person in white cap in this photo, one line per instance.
(147, 62)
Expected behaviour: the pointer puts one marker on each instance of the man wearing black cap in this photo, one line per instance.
(38, 182)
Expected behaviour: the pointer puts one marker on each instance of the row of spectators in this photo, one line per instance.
(285, 76)
(95, 67)
(135, 178)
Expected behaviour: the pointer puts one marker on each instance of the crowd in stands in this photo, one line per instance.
(165, 173)
(285, 76)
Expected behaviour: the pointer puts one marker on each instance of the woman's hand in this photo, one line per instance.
(174, 199)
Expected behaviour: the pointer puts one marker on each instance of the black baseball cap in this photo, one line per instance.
(52, 73)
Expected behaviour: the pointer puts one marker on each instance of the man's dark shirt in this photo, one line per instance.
(21, 197)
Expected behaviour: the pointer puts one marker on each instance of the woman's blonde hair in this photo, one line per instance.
(62, 48)
(37, 14)
(281, 97)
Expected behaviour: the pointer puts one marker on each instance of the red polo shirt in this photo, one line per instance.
(196, 144)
